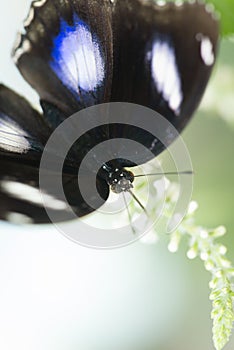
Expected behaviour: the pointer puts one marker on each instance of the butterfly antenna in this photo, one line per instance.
(129, 215)
(187, 172)
(139, 203)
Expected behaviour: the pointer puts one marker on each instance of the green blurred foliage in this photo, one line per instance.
(226, 10)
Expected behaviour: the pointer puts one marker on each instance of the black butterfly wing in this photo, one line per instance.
(80, 53)
(21, 198)
(23, 134)
(163, 54)
(163, 58)
(66, 53)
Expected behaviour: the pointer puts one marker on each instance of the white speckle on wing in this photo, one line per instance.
(26, 46)
(17, 40)
(161, 3)
(206, 49)
(53, 203)
(39, 3)
(179, 3)
(210, 8)
(32, 195)
(18, 218)
(30, 17)
(153, 144)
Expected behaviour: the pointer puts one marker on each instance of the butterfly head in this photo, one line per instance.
(120, 180)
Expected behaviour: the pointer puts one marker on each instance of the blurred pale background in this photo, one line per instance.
(56, 295)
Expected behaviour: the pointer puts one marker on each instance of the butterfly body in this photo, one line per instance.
(81, 53)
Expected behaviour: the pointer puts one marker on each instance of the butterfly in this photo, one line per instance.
(81, 53)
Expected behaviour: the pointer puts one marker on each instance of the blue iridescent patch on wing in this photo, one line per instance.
(77, 60)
